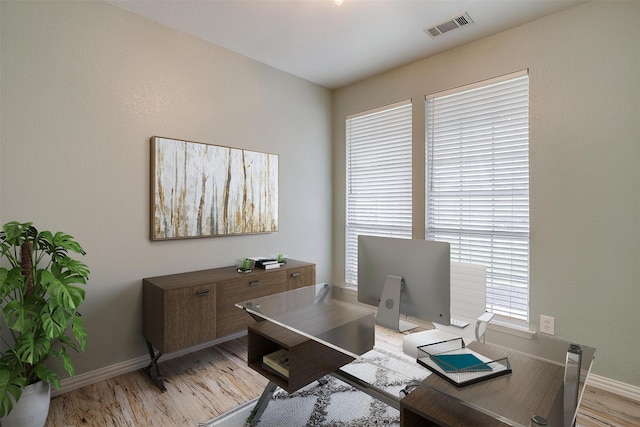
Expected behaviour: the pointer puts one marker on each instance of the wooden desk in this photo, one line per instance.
(533, 388)
(311, 322)
(310, 359)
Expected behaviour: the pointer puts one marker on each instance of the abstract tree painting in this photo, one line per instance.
(204, 190)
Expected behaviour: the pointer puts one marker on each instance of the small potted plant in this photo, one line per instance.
(40, 297)
(245, 265)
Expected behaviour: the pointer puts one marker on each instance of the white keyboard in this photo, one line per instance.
(458, 323)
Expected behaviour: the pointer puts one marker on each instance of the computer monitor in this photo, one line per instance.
(404, 276)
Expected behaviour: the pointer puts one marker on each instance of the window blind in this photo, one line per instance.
(477, 159)
(379, 185)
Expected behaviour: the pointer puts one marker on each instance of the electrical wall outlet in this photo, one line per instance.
(547, 325)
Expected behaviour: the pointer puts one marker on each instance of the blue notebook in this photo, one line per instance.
(460, 362)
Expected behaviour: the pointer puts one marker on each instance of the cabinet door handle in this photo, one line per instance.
(254, 283)
(296, 274)
(203, 293)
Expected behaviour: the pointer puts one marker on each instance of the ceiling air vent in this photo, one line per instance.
(449, 25)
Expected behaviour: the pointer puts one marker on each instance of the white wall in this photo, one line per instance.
(84, 85)
(585, 164)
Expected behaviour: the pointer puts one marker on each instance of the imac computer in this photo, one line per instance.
(404, 276)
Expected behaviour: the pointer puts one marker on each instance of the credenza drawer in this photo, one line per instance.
(301, 276)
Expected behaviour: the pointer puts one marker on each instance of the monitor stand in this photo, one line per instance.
(389, 308)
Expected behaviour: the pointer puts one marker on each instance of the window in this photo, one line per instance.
(477, 160)
(378, 176)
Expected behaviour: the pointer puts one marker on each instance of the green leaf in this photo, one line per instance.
(47, 375)
(69, 297)
(80, 333)
(67, 363)
(67, 275)
(5, 287)
(15, 233)
(57, 245)
(68, 242)
(55, 320)
(74, 266)
(76, 294)
(31, 348)
(10, 280)
(11, 386)
(19, 317)
(67, 342)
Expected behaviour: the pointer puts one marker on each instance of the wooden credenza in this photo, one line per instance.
(186, 309)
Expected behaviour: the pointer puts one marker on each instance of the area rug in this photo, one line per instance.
(335, 403)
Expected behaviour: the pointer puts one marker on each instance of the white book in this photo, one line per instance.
(270, 266)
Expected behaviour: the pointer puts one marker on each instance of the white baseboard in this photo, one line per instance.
(616, 387)
(102, 374)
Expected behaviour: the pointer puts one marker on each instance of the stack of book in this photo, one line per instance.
(277, 363)
(268, 264)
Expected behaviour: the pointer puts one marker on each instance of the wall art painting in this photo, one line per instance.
(205, 190)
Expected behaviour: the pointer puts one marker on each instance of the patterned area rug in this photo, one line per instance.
(335, 403)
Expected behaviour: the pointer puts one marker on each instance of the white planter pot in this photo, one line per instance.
(32, 408)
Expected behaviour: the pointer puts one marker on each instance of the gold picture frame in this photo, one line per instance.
(206, 190)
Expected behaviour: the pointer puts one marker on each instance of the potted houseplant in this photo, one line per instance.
(39, 295)
(245, 265)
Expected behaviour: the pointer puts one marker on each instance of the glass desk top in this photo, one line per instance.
(313, 312)
(535, 387)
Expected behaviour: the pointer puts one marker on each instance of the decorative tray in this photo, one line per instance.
(459, 365)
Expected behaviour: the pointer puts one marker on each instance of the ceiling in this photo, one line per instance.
(335, 45)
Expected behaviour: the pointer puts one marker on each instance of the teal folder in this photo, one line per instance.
(460, 362)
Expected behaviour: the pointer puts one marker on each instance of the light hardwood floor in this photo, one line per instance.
(209, 382)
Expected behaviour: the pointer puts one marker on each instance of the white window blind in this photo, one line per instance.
(477, 159)
(379, 185)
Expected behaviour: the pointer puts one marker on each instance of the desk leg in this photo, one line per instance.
(153, 370)
(370, 389)
(263, 401)
(409, 388)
